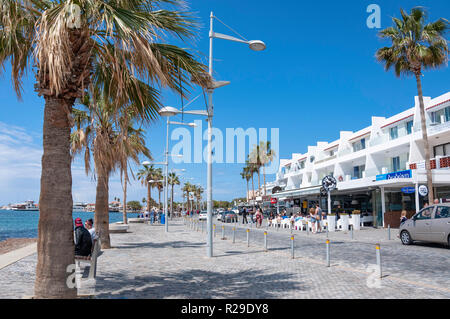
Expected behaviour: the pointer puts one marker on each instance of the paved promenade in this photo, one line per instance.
(148, 263)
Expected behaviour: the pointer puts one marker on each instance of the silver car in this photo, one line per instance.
(431, 224)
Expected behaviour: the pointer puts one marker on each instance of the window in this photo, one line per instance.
(440, 116)
(409, 126)
(424, 214)
(393, 132)
(396, 164)
(442, 150)
(357, 171)
(442, 212)
(360, 145)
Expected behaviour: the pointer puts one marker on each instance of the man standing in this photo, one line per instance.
(244, 216)
(83, 240)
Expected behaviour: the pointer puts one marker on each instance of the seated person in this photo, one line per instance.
(83, 240)
(89, 225)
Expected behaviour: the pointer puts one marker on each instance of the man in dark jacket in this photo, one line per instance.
(83, 239)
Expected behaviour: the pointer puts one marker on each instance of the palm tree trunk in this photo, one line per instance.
(425, 140)
(253, 188)
(102, 208)
(55, 248)
(124, 204)
(264, 176)
(149, 196)
(259, 181)
(247, 191)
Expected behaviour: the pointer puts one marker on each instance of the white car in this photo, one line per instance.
(203, 216)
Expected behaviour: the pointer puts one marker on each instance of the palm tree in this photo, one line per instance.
(146, 175)
(245, 174)
(198, 191)
(267, 155)
(252, 170)
(158, 184)
(187, 189)
(173, 180)
(107, 47)
(416, 46)
(103, 135)
(131, 144)
(255, 158)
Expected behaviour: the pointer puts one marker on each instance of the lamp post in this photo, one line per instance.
(169, 111)
(255, 45)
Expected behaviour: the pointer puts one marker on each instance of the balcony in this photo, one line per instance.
(438, 128)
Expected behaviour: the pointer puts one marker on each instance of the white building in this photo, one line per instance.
(374, 165)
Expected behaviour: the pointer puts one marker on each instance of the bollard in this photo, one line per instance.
(327, 230)
(351, 231)
(328, 252)
(214, 230)
(389, 232)
(265, 241)
(234, 235)
(248, 237)
(202, 226)
(377, 248)
(223, 232)
(292, 246)
(307, 228)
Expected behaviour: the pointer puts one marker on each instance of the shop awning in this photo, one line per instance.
(298, 192)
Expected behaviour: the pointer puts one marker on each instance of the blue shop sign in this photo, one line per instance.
(395, 175)
(408, 190)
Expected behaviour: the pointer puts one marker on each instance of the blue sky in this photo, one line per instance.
(318, 76)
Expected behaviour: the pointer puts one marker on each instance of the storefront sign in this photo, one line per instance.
(408, 190)
(273, 200)
(423, 190)
(395, 175)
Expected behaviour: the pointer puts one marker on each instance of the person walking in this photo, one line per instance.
(319, 217)
(244, 216)
(259, 218)
(312, 215)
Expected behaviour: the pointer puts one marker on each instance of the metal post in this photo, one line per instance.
(351, 231)
(209, 243)
(389, 232)
(234, 235)
(248, 237)
(265, 241)
(223, 232)
(328, 252)
(166, 186)
(377, 248)
(292, 246)
(307, 228)
(214, 230)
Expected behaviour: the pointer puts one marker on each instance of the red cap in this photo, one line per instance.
(78, 222)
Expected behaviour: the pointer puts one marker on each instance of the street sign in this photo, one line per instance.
(423, 190)
(408, 190)
(273, 200)
(329, 183)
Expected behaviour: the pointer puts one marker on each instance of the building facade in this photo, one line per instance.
(378, 169)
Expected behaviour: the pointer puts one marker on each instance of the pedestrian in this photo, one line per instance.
(83, 240)
(436, 201)
(312, 215)
(244, 216)
(318, 214)
(259, 217)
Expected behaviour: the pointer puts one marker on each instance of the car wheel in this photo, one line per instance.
(405, 237)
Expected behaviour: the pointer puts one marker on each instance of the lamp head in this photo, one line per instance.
(168, 111)
(257, 45)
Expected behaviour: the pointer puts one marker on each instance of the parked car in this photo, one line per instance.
(431, 224)
(203, 215)
(228, 217)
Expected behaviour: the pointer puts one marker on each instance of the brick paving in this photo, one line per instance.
(148, 263)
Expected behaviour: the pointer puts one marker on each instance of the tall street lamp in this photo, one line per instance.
(169, 111)
(255, 45)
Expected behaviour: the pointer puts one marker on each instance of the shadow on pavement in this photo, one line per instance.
(196, 284)
(171, 244)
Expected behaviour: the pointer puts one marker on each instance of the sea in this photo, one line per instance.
(24, 224)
